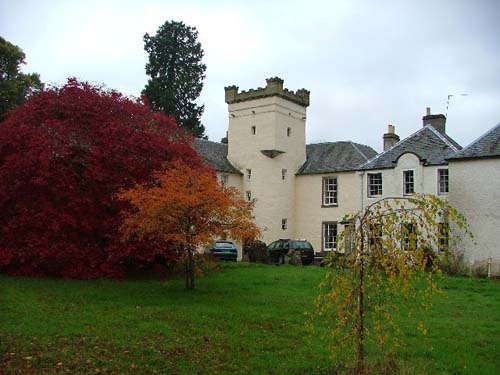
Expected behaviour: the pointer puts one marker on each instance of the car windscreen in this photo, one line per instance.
(224, 245)
(303, 245)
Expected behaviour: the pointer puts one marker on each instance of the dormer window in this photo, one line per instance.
(254, 130)
(288, 132)
(408, 182)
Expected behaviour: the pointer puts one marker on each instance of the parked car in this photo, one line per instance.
(280, 248)
(224, 250)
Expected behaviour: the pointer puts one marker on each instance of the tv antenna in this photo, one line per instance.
(448, 101)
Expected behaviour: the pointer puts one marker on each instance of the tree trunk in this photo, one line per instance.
(361, 319)
(186, 272)
(190, 269)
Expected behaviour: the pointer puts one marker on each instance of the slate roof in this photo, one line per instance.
(335, 157)
(215, 154)
(486, 146)
(431, 146)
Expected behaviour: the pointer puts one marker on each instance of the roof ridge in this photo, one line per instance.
(442, 137)
(358, 150)
(326, 143)
(480, 138)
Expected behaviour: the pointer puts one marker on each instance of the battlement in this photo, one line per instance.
(274, 87)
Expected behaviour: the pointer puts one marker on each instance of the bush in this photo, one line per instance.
(453, 263)
(256, 252)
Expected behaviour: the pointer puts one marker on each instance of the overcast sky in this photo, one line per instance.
(366, 63)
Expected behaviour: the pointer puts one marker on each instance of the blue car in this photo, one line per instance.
(224, 250)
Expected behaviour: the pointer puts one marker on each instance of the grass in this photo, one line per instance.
(244, 319)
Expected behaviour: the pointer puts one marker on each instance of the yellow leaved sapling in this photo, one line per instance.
(386, 258)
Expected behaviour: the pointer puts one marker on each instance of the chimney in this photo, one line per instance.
(438, 122)
(390, 138)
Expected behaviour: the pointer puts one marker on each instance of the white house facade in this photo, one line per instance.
(475, 192)
(304, 191)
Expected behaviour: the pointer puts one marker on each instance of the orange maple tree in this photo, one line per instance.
(187, 207)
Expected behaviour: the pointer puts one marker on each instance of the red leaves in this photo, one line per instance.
(63, 157)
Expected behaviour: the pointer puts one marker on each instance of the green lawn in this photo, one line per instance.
(243, 319)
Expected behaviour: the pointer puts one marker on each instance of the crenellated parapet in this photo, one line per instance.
(274, 87)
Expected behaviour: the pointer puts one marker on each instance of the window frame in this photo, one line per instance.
(224, 179)
(444, 237)
(324, 229)
(407, 184)
(407, 242)
(440, 180)
(370, 184)
(375, 236)
(349, 237)
(334, 192)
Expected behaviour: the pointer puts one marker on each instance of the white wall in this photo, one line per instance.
(274, 197)
(309, 211)
(425, 178)
(475, 192)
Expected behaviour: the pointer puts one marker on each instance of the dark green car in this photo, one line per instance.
(280, 248)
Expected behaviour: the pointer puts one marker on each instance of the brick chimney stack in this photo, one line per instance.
(438, 122)
(390, 138)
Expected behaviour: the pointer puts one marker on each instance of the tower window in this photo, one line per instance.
(288, 132)
(284, 224)
(249, 174)
(249, 195)
(254, 130)
(283, 174)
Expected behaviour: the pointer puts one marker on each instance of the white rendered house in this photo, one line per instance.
(304, 191)
(299, 191)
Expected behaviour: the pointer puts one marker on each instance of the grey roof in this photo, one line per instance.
(431, 146)
(215, 154)
(486, 146)
(335, 157)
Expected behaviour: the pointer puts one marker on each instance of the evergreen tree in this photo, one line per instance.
(14, 85)
(176, 74)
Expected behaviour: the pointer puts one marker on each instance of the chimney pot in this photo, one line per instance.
(390, 138)
(428, 111)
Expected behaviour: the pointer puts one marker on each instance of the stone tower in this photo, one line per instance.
(266, 142)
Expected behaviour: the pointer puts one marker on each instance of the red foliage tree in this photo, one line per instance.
(64, 155)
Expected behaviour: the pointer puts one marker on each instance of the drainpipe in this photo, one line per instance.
(361, 200)
(489, 267)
